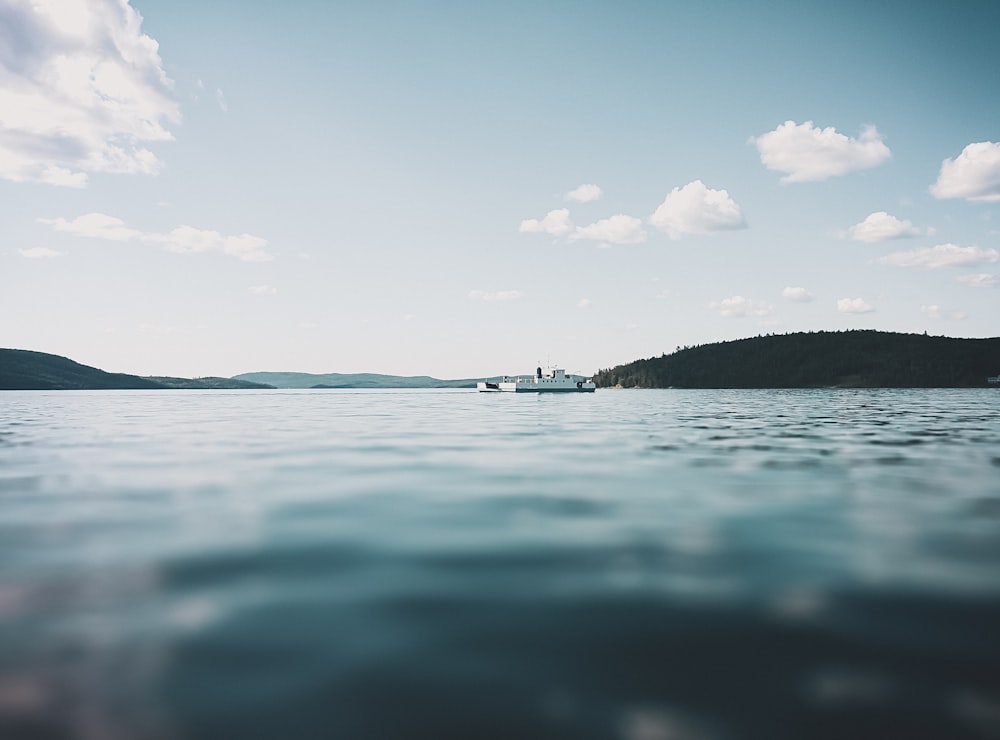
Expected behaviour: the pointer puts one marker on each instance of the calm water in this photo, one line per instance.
(642, 565)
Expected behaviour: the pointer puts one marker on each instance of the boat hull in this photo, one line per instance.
(555, 380)
(486, 388)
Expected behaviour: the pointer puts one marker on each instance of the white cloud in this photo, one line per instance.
(584, 303)
(943, 255)
(497, 295)
(853, 305)
(261, 290)
(696, 209)
(880, 226)
(806, 153)
(974, 174)
(409, 316)
(585, 193)
(62, 176)
(220, 98)
(799, 295)
(556, 222)
(183, 239)
(94, 226)
(188, 240)
(982, 280)
(619, 229)
(35, 253)
(82, 90)
(936, 312)
(739, 306)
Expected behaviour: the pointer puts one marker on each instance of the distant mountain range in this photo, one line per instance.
(847, 359)
(25, 370)
(206, 383)
(22, 369)
(351, 380)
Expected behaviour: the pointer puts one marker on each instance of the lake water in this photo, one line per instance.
(640, 565)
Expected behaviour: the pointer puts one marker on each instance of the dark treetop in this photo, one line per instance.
(24, 370)
(849, 359)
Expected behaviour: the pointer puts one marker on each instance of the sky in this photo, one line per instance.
(463, 189)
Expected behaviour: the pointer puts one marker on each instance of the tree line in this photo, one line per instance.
(854, 358)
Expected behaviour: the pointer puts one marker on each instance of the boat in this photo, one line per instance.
(550, 380)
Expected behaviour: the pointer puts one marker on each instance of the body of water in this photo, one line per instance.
(638, 565)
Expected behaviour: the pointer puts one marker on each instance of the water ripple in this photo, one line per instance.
(691, 564)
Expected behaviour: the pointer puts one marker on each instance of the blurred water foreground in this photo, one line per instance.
(639, 565)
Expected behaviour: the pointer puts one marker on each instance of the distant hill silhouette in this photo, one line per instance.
(351, 380)
(851, 359)
(207, 383)
(22, 369)
(25, 370)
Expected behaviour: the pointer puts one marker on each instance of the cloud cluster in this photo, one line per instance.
(691, 209)
(261, 290)
(799, 295)
(497, 295)
(697, 209)
(35, 253)
(556, 223)
(974, 174)
(802, 153)
(982, 280)
(806, 153)
(182, 240)
(880, 226)
(854, 305)
(738, 306)
(936, 312)
(618, 229)
(94, 226)
(585, 193)
(82, 90)
(943, 255)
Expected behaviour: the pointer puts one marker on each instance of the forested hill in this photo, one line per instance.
(849, 359)
(25, 370)
(351, 380)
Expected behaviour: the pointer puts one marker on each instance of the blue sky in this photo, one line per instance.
(465, 189)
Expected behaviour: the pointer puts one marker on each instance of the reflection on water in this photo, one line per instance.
(627, 564)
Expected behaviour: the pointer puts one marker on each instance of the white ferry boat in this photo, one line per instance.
(553, 379)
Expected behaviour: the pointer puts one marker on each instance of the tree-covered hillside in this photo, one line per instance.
(350, 380)
(855, 359)
(207, 383)
(25, 370)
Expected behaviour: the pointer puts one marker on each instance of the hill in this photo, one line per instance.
(209, 383)
(351, 380)
(852, 359)
(26, 370)
(22, 369)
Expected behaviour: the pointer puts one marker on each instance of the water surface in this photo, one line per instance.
(625, 564)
